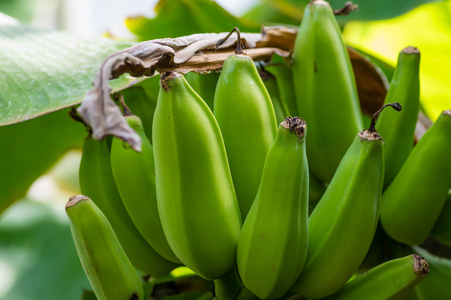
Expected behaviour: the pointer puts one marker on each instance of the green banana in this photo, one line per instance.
(413, 201)
(325, 89)
(97, 182)
(195, 194)
(442, 227)
(284, 78)
(134, 174)
(246, 116)
(399, 131)
(110, 272)
(273, 243)
(204, 85)
(388, 281)
(344, 221)
(273, 90)
(437, 285)
(228, 286)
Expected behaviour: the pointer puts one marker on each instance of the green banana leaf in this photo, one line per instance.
(291, 11)
(28, 149)
(38, 259)
(429, 29)
(45, 70)
(184, 17)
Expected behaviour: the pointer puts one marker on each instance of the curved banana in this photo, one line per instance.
(204, 85)
(325, 89)
(246, 116)
(195, 195)
(399, 131)
(284, 78)
(442, 227)
(110, 272)
(344, 221)
(436, 286)
(134, 174)
(97, 182)
(273, 243)
(273, 90)
(390, 280)
(413, 201)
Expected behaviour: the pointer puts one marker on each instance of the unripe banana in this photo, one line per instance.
(195, 195)
(273, 90)
(343, 223)
(413, 201)
(204, 85)
(325, 89)
(399, 131)
(284, 78)
(388, 281)
(273, 243)
(97, 182)
(442, 227)
(110, 272)
(245, 114)
(134, 174)
(437, 285)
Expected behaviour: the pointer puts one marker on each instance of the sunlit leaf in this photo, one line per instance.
(184, 17)
(428, 28)
(28, 149)
(379, 10)
(44, 70)
(38, 259)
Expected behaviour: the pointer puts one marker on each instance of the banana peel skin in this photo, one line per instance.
(388, 281)
(342, 225)
(97, 182)
(110, 272)
(245, 114)
(273, 243)
(325, 89)
(134, 174)
(195, 194)
(413, 201)
(398, 130)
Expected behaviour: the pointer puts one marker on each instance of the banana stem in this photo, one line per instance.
(346, 9)
(395, 106)
(239, 44)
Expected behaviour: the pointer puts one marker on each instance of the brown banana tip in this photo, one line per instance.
(165, 77)
(134, 297)
(420, 266)
(447, 112)
(411, 50)
(75, 199)
(296, 125)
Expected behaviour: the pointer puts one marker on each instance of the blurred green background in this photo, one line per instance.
(37, 256)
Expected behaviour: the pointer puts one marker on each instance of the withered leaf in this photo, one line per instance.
(199, 53)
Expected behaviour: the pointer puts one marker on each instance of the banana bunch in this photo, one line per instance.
(267, 211)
